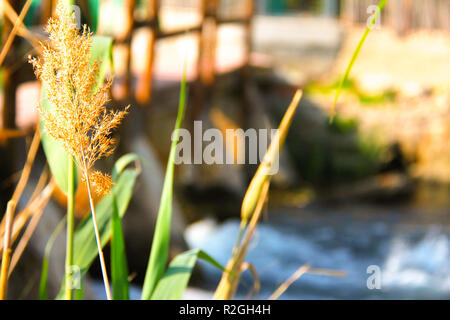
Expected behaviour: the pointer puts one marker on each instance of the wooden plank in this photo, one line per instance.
(207, 53)
(144, 83)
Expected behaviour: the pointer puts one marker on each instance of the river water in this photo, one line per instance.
(410, 248)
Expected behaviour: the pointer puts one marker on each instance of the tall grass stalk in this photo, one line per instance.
(98, 239)
(230, 280)
(79, 119)
(355, 54)
(70, 227)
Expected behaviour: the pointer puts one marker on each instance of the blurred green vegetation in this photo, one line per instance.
(326, 152)
(350, 88)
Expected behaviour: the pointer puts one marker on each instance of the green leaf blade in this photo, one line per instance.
(119, 268)
(175, 280)
(355, 55)
(160, 245)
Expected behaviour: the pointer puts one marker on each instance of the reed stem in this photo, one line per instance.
(70, 228)
(99, 244)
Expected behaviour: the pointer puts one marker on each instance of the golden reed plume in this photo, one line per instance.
(79, 120)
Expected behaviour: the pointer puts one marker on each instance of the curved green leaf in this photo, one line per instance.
(175, 280)
(124, 162)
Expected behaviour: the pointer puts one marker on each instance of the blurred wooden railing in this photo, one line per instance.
(135, 89)
(16, 71)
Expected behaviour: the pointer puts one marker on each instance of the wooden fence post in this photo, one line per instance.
(144, 83)
(207, 55)
(129, 7)
(250, 9)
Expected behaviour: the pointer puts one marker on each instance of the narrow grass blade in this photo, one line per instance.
(118, 255)
(70, 225)
(286, 284)
(119, 268)
(381, 5)
(160, 245)
(43, 295)
(175, 280)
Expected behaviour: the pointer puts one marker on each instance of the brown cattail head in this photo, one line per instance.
(80, 120)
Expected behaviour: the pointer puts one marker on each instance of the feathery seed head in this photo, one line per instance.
(79, 120)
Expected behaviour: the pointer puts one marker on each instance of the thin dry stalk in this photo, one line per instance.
(26, 238)
(285, 285)
(14, 31)
(300, 272)
(40, 185)
(24, 215)
(230, 280)
(22, 31)
(7, 252)
(33, 223)
(6, 134)
(28, 165)
(326, 272)
(99, 246)
(256, 283)
(25, 175)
